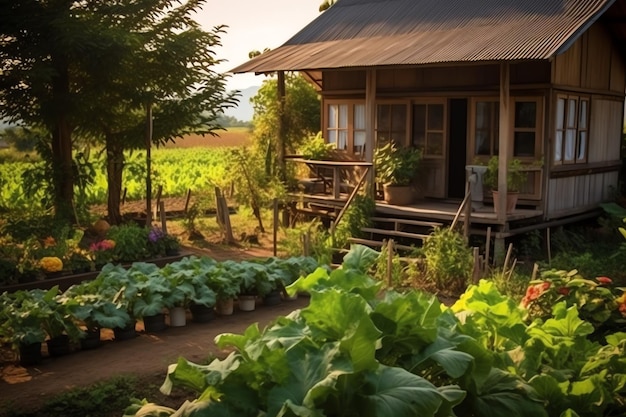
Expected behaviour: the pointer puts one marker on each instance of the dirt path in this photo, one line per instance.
(147, 354)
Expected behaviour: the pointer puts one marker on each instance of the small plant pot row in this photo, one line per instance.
(118, 297)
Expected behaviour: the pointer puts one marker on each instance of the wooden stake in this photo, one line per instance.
(390, 252)
(275, 227)
(124, 195)
(158, 201)
(223, 216)
(477, 267)
(549, 246)
(488, 245)
(163, 217)
(507, 258)
(535, 272)
(187, 200)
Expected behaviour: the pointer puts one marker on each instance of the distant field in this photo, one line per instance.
(234, 136)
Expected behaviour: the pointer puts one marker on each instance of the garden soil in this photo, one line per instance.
(147, 356)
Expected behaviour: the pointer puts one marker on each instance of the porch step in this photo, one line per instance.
(394, 233)
(377, 243)
(397, 222)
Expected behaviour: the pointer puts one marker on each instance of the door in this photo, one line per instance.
(429, 134)
(457, 151)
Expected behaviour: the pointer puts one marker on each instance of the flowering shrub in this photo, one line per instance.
(102, 251)
(51, 264)
(596, 300)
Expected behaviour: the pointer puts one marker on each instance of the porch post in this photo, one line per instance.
(503, 155)
(370, 126)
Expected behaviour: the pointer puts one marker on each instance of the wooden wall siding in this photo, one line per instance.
(430, 179)
(344, 80)
(605, 124)
(567, 66)
(618, 73)
(572, 194)
(598, 65)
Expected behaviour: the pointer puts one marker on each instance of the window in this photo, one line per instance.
(391, 124)
(525, 128)
(338, 125)
(345, 126)
(428, 128)
(572, 129)
(486, 126)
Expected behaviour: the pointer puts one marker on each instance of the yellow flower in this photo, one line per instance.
(51, 264)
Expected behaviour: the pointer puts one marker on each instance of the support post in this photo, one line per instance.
(275, 227)
(163, 216)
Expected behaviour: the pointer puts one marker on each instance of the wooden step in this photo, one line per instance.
(377, 243)
(395, 233)
(407, 222)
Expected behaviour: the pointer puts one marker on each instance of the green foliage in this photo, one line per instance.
(448, 259)
(515, 178)
(596, 301)
(131, 241)
(357, 216)
(396, 166)
(316, 148)
(301, 116)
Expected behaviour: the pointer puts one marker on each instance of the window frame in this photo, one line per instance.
(560, 132)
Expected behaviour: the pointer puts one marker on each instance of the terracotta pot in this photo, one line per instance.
(511, 201)
(399, 195)
(224, 307)
(272, 299)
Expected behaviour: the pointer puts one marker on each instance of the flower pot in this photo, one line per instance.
(91, 339)
(224, 307)
(155, 323)
(272, 298)
(178, 316)
(511, 201)
(125, 333)
(246, 302)
(30, 354)
(201, 313)
(59, 345)
(399, 195)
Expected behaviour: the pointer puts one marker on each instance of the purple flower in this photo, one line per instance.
(155, 234)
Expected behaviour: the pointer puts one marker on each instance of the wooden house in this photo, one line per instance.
(542, 81)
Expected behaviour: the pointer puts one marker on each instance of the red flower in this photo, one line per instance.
(604, 280)
(533, 292)
(563, 291)
(622, 309)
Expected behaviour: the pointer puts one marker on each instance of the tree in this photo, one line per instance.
(301, 116)
(40, 41)
(94, 65)
(167, 67)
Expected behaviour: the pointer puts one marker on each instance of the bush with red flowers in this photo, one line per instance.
(597, 301)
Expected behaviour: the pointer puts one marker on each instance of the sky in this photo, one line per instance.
(254, 25)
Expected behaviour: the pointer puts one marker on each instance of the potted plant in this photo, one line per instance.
(20, 325)
(396, 169)
(151, 298)
(226, 287)
(515, 179)
(94, 312)
(198, 273)
(114, 284)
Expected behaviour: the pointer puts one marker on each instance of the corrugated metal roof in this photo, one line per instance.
(368, 33)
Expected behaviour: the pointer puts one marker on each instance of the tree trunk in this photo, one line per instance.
(115, 166)
(62, 146)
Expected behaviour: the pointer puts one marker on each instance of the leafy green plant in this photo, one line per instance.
(316, 148)
(515, 177)
(448, 260)
(131, 242)
(396, 166)
(596, 301)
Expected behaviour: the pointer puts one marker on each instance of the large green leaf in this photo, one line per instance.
(505, 394)
(395, 392)
(333, 315)
(360, 258)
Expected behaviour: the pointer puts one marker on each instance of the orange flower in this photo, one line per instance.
(533, 292)
(49, 242)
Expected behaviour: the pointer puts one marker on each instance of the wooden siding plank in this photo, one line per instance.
(567, 66)
(598, 59)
